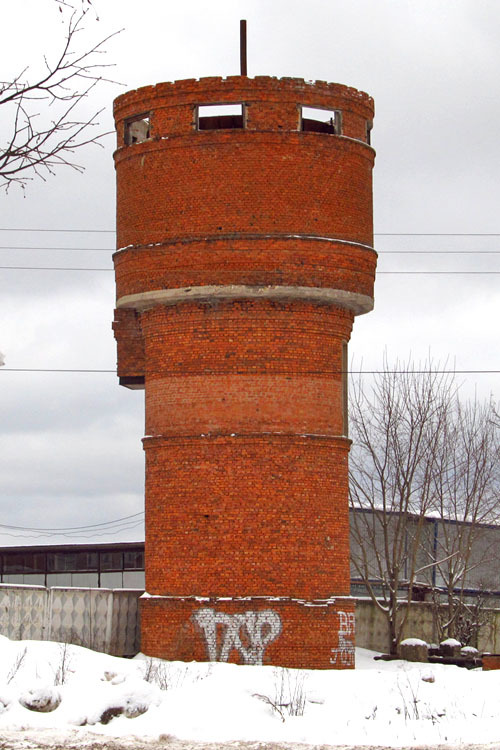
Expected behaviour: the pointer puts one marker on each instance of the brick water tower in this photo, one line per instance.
(244, 227)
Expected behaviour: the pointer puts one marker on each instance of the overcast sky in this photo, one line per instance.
(70, 442)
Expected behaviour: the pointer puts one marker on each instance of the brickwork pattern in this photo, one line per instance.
(253, 515)
(257, 260)
(324, 630)
(241, 181)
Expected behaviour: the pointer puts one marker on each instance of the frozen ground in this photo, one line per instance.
(100, 701)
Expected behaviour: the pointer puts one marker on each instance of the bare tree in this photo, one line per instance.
(466, 498)
(395, 427)
(43, 115)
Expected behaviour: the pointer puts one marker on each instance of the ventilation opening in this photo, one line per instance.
(137, 129)
(315, 120)
(220, 116)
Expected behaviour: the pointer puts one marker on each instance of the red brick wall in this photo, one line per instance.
(244, 366)
(128, 334)
(271, 103)
(289, 629)
(220, 182)
(268, 177)
(252, 260)
(249, 515)
(246, 462)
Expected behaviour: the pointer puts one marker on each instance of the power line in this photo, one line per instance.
(376, 234)
(436, 234)
(348, 372)
(49, 268)
(380, 252)
(75, 535)
(47, 369)
(72, 528)
(379, 273)
(88, 231)
(66, 249)
(436, 252)
(436, 273)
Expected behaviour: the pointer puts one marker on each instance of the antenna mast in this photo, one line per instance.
(243, 48)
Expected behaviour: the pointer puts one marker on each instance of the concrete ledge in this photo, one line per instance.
(357, 303)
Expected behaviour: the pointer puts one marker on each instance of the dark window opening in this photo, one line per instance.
(58, 562)
(369, 126)
(137, 129)
(220, 116)
(345, 390)
(315, 120)
(115, 566)
(133, 560)
(111, 561)
(24, 563)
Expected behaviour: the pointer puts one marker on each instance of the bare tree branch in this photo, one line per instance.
(44, 117)
(467, 500)
(394, 427)
(424, 485)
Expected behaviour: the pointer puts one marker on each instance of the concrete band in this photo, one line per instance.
(157, 441)
(214, 599)
(357, 303)
(244, 237)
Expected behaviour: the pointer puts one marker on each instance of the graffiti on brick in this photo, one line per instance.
(249, 633)
(344, 653)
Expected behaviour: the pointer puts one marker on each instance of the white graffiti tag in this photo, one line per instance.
(249, 633)
(345, 650)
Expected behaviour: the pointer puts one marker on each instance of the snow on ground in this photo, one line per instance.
(95, 696)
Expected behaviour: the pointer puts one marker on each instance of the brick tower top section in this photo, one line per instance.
(261, 95)
(260, 89)
(274, 189)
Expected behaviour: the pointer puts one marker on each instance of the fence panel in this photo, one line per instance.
(101, 619)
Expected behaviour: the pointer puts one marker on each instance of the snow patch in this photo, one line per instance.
(413, 642)
(390, 704)
(451, 642)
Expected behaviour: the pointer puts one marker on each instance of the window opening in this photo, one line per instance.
(133, 560)
(111, 560)
(137, 129)
(24, 562)
(345, 389)
(316, 120)
(369, 126)
(59, 562)
(219, 116)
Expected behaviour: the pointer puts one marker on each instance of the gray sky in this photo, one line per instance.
(71, 452)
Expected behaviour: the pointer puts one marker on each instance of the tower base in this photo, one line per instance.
(281, 631)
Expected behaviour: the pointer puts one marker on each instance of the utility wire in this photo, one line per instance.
(73, 535)
(72, 528)
(435, 252)
(88, 231)
(436, 234)
(47, 369)
(436, 273)
(337, 372)
(49, 268)
(78, 249)
(379, 252)
(376, 234)
(379, 273)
